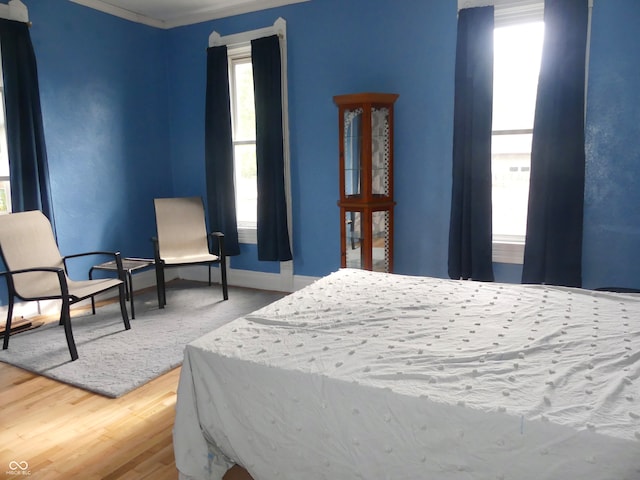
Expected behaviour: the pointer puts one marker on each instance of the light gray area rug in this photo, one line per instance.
(113, 361)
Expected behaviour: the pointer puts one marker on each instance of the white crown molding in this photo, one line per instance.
(121, 12)
(216, 13)
(279, 27)
(15, 10)
(201, 15)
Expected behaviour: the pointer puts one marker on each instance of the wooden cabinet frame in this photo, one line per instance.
(364, 198)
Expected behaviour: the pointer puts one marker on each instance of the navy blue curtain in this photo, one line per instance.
(470, 232)
(553, 249)
(218, 151)
(273, 233)
(28, 165)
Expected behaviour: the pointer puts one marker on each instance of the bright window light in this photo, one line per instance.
(517, 55)
(244, 141)
(5, 186)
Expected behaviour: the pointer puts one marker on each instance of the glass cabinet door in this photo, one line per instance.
(381, 245)
(353, 240)
(380, 151)
(352, 152)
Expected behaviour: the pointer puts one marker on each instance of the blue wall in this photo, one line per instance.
(612, 196)
(103, 86)
(337, 47)
(123, 108)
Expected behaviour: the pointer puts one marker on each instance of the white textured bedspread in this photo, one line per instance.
(367, 375)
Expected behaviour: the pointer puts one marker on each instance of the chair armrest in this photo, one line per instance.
(33, 269)
(116, 256)
(220, 237)
(62, 278)
(75, 255)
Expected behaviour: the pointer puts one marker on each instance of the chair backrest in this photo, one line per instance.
(181, 227)
(27, 241)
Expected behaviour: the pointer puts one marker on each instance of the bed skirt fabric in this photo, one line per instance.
(381, 376)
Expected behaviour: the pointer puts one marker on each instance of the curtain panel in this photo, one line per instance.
(470, 230)
(221, 199)
(273, 231)
(28, 164)
(553, 249)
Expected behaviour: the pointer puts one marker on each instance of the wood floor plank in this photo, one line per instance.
(64, 432)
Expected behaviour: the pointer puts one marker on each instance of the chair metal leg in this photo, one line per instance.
(7, 331)
(123, 307)
(159, 292)
(129, 292)
(162, 296)
(223, 277)
(93, 300)
(65, 319)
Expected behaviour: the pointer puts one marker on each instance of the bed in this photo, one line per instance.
(365, 375)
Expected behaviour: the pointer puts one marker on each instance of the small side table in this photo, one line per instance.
(130, 265)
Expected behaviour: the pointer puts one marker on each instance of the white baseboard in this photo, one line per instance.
(31, 309)
(147, 279)
(247, 278)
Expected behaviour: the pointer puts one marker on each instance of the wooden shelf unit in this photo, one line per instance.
(366, 180)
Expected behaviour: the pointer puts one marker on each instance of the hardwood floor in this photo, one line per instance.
(63, 432)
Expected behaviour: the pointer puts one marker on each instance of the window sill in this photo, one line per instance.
(247, 235)
(508, 251)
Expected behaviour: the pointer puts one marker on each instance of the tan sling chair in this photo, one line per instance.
(183, 240)
(37, 271)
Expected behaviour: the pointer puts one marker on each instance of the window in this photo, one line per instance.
(5, 187)
(244, 135)
(517, 56)
(15, 11)
(518, 40)
(243, 125)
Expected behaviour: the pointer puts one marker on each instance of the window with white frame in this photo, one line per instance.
(14, 10)
(517, 56)
(244, 141)
(518, 40)
(244, 134)
(243, 124)
(5, 184)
